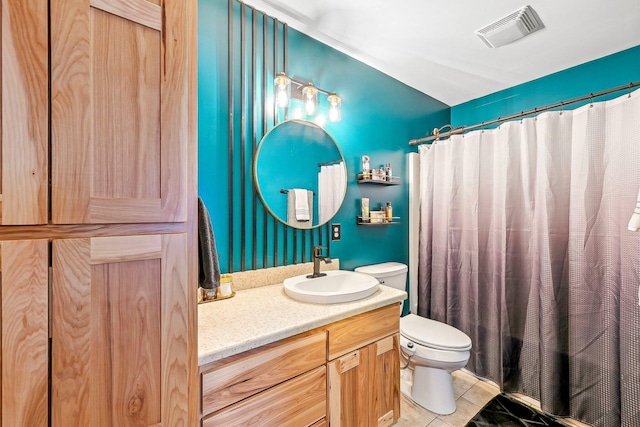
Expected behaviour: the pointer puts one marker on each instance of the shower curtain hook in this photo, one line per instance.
(561, 107)
(591, 100)
(436, 133)
(630, 87)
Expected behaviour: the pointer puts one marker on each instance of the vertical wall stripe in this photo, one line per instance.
(265, 56)
(276, 25)
(254, 137)
(231, 128)
(243, 135)
(277, 243)
(295, 245)
(285, 68)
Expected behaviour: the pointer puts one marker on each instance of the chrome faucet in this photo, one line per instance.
(317, 257)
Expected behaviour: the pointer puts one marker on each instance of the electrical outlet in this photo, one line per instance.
(336, 232)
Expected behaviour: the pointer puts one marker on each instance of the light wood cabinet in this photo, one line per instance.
(95, 101)
(345, 374)
(364, 383)
(25, 333)
(298, 402)
(119, 331)
(279, 384)
(24, 112)
(236, 378)
(118, 111)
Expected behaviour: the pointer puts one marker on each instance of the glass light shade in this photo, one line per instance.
(335, 107)
(283, 90)
(310, 95)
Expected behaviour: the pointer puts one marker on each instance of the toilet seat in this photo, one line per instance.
(433, 334)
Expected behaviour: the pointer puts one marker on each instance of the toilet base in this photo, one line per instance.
(432, 389)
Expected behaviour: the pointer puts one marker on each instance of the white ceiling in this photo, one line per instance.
(431, 45)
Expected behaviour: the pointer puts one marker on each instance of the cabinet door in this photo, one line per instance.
(384, 381)
(119, 332)
(118, 111)
(348, 393)
(25, 333)
(24, 112)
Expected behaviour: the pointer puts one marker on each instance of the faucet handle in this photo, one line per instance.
(317, 251)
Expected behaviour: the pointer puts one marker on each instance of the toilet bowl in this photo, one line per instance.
(433, 349)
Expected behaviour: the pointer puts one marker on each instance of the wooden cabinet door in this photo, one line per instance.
(118, 111)
(119, 332)
(25, 333)
(348, 393)
(24, 113)
(384, 381)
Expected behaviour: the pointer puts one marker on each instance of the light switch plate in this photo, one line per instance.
(336, 232)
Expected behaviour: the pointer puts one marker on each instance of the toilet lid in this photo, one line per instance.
(433, 334)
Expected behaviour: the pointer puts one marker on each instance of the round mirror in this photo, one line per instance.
(300, 174)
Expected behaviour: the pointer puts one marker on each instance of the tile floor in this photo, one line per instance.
(471, 395)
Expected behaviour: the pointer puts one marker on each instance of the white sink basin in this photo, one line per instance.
(336, 286)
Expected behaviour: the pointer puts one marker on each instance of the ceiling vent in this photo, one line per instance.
(512, 27)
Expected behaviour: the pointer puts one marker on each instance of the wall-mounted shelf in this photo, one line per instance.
(395, 180)
(361, 221)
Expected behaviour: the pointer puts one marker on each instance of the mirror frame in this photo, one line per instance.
(260, 146)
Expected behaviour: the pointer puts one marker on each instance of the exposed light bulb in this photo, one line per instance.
(335, 107)
(310, 94)
(282, 89)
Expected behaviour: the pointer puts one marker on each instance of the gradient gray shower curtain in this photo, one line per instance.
(524, 246)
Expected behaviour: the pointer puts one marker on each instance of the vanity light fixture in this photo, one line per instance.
(308, 94)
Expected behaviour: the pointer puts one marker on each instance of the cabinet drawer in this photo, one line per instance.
(230, 380)
(294, 403)
(358, 331)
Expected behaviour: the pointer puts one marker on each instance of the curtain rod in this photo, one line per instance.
(462, 129)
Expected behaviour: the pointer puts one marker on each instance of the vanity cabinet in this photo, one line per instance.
(343, 374)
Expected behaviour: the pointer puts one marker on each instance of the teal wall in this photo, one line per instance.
(379, 116)
(601, 74)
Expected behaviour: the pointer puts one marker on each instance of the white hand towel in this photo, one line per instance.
(302, 204)
(634, 223)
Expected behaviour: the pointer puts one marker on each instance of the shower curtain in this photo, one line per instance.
(524, 246)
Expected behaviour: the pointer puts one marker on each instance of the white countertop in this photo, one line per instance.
(259, 316)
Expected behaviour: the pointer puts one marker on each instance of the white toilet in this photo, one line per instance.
(435, 349)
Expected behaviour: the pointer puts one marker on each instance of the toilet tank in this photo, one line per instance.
(393, 274)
